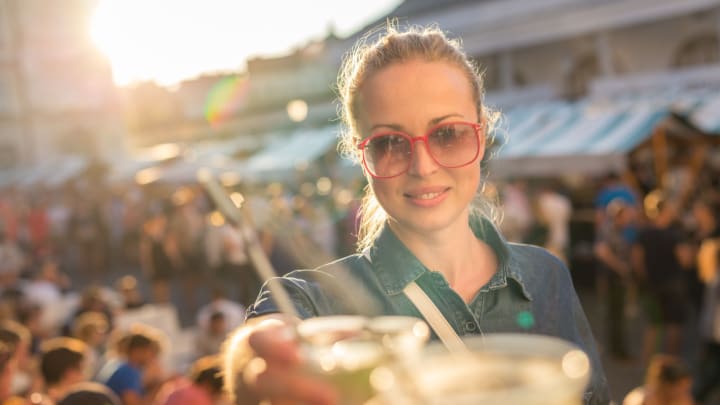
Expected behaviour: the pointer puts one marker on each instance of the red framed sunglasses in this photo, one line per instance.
(450, 144)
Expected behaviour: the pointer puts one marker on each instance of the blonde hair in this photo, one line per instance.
(393, 46)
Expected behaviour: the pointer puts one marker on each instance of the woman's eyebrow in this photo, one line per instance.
(432, 122)
(438, 120)
(394, 127)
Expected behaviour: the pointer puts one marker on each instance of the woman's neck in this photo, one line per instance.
(466, 262)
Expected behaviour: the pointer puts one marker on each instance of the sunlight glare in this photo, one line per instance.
(171, 40)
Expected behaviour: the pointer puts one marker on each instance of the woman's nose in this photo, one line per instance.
(421, 162)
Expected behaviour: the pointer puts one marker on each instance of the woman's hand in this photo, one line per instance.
(275, 370)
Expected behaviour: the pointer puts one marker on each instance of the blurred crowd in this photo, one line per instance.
(655, 253)
(135, 288)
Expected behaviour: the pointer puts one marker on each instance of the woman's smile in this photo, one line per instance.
(427, 196)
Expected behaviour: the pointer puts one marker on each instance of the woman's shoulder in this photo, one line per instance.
(524, 254)
(346, 285)
(349, 264)
(535, 264)
(351, 270)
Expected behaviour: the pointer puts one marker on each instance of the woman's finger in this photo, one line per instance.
(275, 342)
(281, 384)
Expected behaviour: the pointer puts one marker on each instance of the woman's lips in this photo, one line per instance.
(427, 197)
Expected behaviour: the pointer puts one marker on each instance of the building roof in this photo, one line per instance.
(413, 8)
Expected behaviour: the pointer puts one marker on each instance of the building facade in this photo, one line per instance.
(530, 51)
(569, 53)
(57, 97)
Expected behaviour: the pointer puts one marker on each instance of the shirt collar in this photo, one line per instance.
(396, 266)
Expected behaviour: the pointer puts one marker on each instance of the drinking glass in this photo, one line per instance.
(497, 369)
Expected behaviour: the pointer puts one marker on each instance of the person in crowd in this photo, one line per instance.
(87, 233)
(137, 351)
(89, 393)
(698, 224)
(204, 388)
(113, 212)
(209, 340)
(62, 364)
(59, 217)
(314, 220)
(92, 328)
(227, 250)
(12, 261)
(184, 245)
(658, 257)
(129, 291)
(707, 214)
(612, 188)
(667, 382)
(233, 313)
(425, 223)
(613, 252)
(46, 291)
(30, 316)
(518, 215)
(555, 210)
(135, 201)
(289, 245)
(38, 226)
(18, 339)
(153, 255)
(8, 367)
(92, 299)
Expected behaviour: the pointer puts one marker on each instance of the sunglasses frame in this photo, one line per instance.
(363, 144)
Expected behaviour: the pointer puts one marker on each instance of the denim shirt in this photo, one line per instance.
(531, 292)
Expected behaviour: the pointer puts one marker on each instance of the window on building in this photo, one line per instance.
(491, 75)
(699, 50)
(582, 72)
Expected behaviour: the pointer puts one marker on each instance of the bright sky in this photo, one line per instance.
(171, 40)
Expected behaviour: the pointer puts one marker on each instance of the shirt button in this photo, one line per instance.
(470, 326)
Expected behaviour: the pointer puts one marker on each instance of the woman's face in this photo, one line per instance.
(413, 97)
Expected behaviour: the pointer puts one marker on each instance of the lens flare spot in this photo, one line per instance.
(575, 364)
(297, 110)
(225, 98)
(382, 379)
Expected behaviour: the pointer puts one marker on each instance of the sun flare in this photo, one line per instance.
(141, 40)
(170, 40)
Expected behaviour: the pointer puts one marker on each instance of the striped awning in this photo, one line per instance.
(706, 114)
(287, 154)
(592, 136)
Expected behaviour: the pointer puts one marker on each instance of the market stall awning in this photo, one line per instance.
(582, 129)
(706, 115)
(287, 154)
(578, 138)
(52, 173)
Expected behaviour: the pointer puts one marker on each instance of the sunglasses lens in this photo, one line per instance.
(451, 145)
(454, 145)
(387, 155)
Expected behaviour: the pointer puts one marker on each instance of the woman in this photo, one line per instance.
(412, 105)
